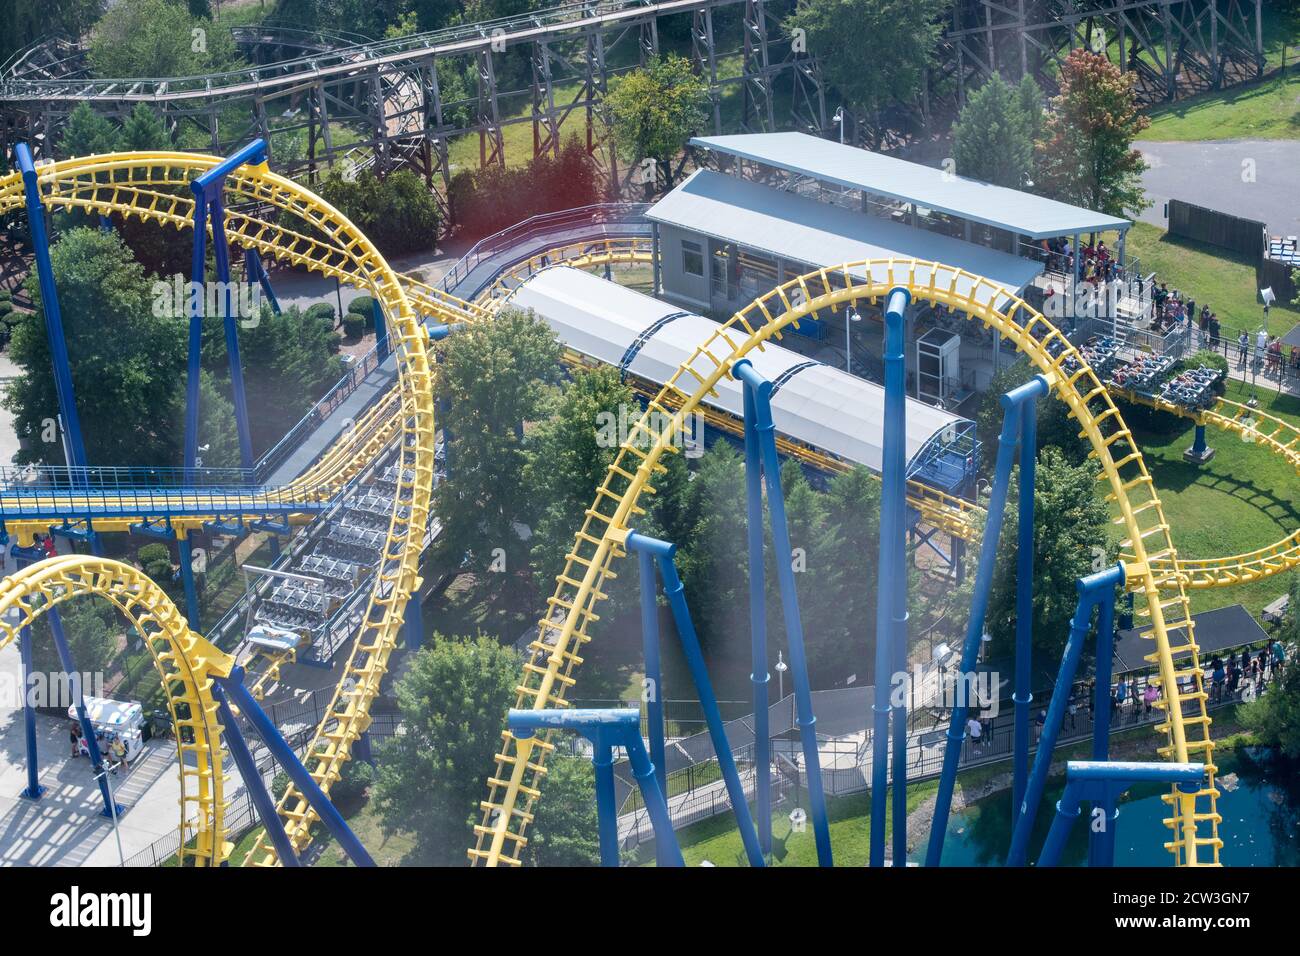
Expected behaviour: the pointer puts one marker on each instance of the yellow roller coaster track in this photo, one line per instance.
(185, 662)
(514, 787)
(154, 187)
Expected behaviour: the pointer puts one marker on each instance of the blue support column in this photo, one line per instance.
(891, 610)
(607, 729)
(230, 322)
(381, 329)
(1101, 843)
(185, 551)
(1093, 589)
(255, 271)
(34, 788)
(663, 552)
(760, 392)
(248, 772)
(239, 696)
(1022, 696)
(1105, 783)
(111, 809)
(198, 272)
(758, 674)
(975, 625)
(50, 306)
(654, 705)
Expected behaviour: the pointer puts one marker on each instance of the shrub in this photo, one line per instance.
(357, 776)
(156, 560)
(354, 326)
(322, 311)
(398, 213)
(363, 305)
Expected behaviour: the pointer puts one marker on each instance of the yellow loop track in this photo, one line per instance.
(514, 786)
(155, 186)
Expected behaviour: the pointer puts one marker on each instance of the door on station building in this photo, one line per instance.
(723, 270)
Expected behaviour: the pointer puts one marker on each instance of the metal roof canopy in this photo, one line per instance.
(853, 168)
(822, 406)
(803, 230)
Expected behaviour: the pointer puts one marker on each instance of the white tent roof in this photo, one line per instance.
(888, 176)
(819, 405)
(804, 230)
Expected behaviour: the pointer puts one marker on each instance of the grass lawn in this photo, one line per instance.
(1210, 275)
(1266, 110)
(1243, 499)
(386, 849)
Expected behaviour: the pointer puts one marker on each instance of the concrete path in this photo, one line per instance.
(1257, 179)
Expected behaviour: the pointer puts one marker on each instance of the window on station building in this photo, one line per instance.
(692, 258)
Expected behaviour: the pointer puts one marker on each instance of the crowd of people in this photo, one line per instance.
(110, 745)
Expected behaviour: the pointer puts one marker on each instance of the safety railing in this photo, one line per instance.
(334, 61)
(21, 479)
(513, 237)
(316, 415)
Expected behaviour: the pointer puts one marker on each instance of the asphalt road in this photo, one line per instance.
(1256, 179)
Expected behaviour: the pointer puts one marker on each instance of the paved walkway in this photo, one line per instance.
(1257, 179)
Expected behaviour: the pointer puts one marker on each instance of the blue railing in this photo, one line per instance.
(540, 225)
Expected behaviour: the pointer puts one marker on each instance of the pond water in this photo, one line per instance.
(1259, 800)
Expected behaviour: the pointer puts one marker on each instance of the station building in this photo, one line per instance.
(778, 205)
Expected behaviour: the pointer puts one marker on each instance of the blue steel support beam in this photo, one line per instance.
(239, 696)
(111, 809)
(230, 322)
(252, 777)
(1094, 589)
(255, 271)
(758, 674)
(198, 271)
(663, 552)
(381, 329)
(34, 789)
(653, 690)
(607, 729)
(1022, 696)
(892, 606)
(1104, 782)
(975, 625)
(1101, 843)
(50, 306)
(760, 390)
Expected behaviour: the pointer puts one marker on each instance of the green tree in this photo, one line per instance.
(23, 22)
(874, 52)
(1030, 97)
(565, 831)
(1274, 718)
(993, 139)
(88, 625)
(157, 38)
(1088, 157)
(494, 377)
(398, 213)
(712, 560)
(453, 700)
(848, 644)
(143, 130)
(87, 134)
(568, 454)
(652, 111)
(127, 363)
(1071, 539)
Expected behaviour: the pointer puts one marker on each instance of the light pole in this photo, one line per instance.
(838, 119)
(112, 805)
(850, 315)
(780, 668)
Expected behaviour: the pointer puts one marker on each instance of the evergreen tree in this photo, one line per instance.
(86, 133)
(143, 130)
(993, 136)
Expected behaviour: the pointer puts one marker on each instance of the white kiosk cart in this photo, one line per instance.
(115, 718)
